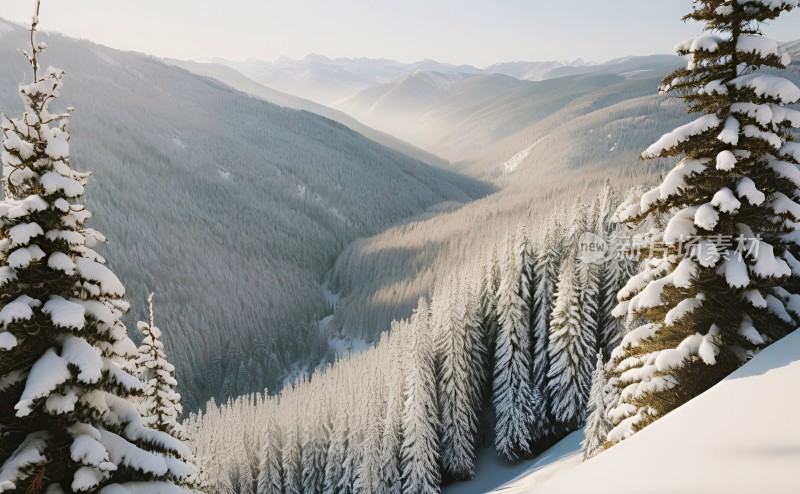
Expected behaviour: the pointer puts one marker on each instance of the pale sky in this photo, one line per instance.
(477, 32)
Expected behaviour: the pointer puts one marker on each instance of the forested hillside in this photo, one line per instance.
(605, 130)
(501, 356)
(572, 147)
(232, 209)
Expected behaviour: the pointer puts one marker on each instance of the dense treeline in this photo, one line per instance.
(501, 356)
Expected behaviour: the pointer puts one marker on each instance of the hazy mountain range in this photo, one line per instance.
(326, 80)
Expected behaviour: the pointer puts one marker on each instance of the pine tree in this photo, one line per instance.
(352, 456)
(334, 469)
(572, 341)
(291, 462)
(514, 397)
(486, 312)
(313, 459)
(392, 438)
(705, 306)
(269, 470)
(161, 406)
(65, 384)
(459, 346)
(420, 451)
(611, 274)
(613, 277)
(368, 475)
(597, 425)
(548, 262)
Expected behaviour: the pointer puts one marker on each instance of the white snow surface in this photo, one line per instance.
(45, 376)
(713, 444)
(494, 474)
(108, 281)
(54, 182)
(7, 340)
(771, 86)
(27, 455)
(512, 163)
(65, 313)
(757, 44)
(707, 41)
(682, 133)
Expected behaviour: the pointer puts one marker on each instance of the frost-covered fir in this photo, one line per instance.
(161, 405)
(316, 438)
(335, 479)
(597, 425)
(613, 274)
(572, 343)
(270, 473)
(515, 399)
(420, 449)
(368, 470)
(461, 358)
(65, 357)
(391, 441)
(292, 472)
(708, 304)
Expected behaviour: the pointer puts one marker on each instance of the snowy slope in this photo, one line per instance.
(230, 208)
(493, 472)
(741, 436)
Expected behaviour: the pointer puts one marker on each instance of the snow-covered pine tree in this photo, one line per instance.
(487, 311)
(368, 476)
(420, 449)
(706, 308)
(571, 343)
(486, 308)
(316, 437)
(392, 440)
(161, 405)
(291, 462)
(460, 355)
(515, 398)
(270, 475)
(613, 277)
(67, 422)
(337, 450)
(597, 425)
(549, 257)
(611, 274)
(353, 452)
